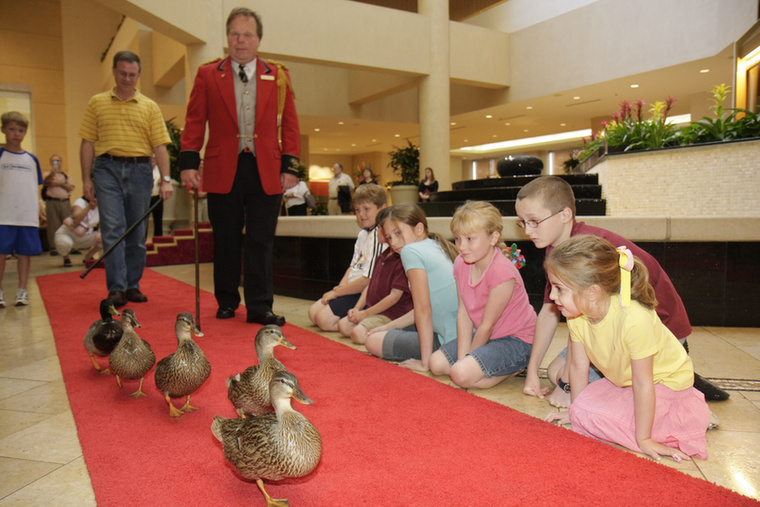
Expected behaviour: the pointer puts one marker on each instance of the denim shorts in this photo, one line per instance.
(593, 372)
(342, 304)
(20, 239)
(403, 344)
(497, 358)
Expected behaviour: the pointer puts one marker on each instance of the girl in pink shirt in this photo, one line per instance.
(495, 320)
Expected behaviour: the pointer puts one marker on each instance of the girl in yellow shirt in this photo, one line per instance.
(646, 401)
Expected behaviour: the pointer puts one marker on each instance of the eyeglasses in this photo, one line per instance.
(245, 36)
(522, 224)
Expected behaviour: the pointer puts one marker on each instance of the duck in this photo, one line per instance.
(103, 335)
(132, 358)
(185, 370)
(275, 446)
(249, 391)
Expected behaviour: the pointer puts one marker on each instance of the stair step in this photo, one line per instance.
(519, 181)
(595, 207)
(502, 193)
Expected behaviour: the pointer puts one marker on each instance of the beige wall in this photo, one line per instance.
(701, 181)
(22, 63)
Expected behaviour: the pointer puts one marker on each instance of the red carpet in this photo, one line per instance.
(390, 436)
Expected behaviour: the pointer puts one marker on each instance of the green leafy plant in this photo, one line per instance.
(405, 163)
(727, 124)
(629, 129)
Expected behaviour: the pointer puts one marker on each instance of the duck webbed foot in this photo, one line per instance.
(173, 411)
(95, 362)
(187, 407)
(271, 502)
(139, 391)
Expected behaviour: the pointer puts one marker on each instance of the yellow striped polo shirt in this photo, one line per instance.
(124, 128)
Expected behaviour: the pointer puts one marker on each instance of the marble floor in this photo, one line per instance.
(41, 460)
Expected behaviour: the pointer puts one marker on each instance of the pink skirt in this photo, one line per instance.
(606, 412)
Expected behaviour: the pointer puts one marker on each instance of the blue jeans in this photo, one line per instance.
(498, 357)
(123, 191)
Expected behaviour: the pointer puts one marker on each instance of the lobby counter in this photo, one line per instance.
(712, 261)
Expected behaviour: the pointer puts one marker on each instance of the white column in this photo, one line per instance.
(434, 110)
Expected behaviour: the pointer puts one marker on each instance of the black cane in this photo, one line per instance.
(197, 264)
(123, 236)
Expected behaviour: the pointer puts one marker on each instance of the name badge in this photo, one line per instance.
(266, 77)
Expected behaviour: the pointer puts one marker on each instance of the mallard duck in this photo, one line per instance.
(249, 391)
(132, 358)
(272, 446)
(104, 334)
(184, 371)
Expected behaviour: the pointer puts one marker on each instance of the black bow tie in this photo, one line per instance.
(242, 74)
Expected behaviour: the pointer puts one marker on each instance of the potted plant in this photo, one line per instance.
(405, 163)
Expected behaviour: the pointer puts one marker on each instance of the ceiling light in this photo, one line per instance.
(494, 135)
(489, 116)
(563, 124)
(704, 71)
(529, 141)
(529, 107)
(374, 140)
(576, 98)
(525, 130)
(453, 123)
(466, 141)
(316, 130)
(507, 124)
(340, 123)
(353, 144)
(634, 86)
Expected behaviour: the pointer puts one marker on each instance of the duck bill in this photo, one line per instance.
(196, 331)
(299, 396)
(285, 343)
(113, 311)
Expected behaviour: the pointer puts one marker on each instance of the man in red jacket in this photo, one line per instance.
(251, 157)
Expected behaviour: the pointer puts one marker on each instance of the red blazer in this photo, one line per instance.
(212, 101)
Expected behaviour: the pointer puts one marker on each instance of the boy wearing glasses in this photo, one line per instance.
(546, 210)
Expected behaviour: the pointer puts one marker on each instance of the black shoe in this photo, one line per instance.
(67, 263)
(267, 318)
(710, 390)
(118, 298)
(136, 296)
(53, 253)
(225, 313)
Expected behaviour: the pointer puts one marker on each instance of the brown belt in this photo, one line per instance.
(135, 160)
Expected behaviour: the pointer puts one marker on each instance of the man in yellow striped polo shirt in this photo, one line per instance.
(120, 131)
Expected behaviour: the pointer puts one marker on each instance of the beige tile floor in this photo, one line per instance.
(41, 460)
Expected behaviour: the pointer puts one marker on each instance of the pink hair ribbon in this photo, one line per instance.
(626, 266)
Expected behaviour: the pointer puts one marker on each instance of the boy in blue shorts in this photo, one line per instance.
(335, 304)
(20, 177)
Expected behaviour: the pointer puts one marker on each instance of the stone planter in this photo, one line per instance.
(404, 193)
(707, 180)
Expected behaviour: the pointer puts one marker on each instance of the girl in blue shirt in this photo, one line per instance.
(428, 261)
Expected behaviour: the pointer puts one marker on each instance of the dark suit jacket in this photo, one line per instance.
(212, 101)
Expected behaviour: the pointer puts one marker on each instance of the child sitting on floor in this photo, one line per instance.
(492, 302)
(387, 296)
(335, 303)
(646, 401)
(427, 258)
